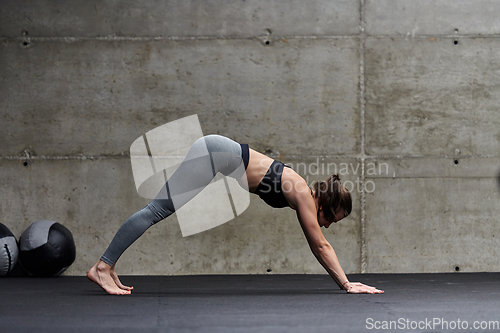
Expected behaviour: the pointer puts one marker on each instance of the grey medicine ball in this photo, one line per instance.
(8, 250)
(46, 248)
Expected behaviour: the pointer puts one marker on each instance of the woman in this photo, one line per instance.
(278, 185)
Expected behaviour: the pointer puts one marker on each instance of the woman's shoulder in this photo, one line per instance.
(294, 187)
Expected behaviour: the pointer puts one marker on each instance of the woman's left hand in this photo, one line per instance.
(360, 288)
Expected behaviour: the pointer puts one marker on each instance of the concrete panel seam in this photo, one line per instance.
(284, 157)
(70, 39)
(82, 157)
(127, 156)
(169, 38)
(447, 36)
(400, 157)
(362, 120)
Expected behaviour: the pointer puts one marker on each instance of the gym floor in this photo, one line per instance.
(252, 303)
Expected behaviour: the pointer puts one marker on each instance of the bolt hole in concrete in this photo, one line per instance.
(455, 42)
(456, 162)
(457, 268)
(269, 270)
(25, 163)
(25, 34)
(267, 42)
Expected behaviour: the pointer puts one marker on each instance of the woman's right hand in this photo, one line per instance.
(360, 288)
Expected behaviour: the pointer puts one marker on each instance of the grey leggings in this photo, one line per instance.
(206, 157)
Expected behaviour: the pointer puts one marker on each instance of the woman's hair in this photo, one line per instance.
(332, 197)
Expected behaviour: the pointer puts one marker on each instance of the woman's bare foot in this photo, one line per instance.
(117, 280)
(101, 274)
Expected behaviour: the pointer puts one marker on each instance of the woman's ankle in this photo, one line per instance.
(103, 267)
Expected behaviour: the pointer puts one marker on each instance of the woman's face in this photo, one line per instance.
(323, 222)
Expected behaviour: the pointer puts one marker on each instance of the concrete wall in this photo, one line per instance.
(400, 96)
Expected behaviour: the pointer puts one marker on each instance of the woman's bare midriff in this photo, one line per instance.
(258, 164)
(291, 182)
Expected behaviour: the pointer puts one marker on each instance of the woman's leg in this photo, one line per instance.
(207, 156)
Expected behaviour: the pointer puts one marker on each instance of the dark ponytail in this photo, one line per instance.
(332, 197)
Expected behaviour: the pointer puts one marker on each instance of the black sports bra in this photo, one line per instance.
(269, 188)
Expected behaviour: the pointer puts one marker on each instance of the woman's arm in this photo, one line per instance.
(322, 250)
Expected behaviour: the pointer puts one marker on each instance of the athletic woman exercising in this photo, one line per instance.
(278, 185)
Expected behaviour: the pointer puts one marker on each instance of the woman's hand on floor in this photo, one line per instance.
(360, 288)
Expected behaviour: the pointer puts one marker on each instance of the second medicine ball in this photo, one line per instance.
(46, 248)
(8, 250)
